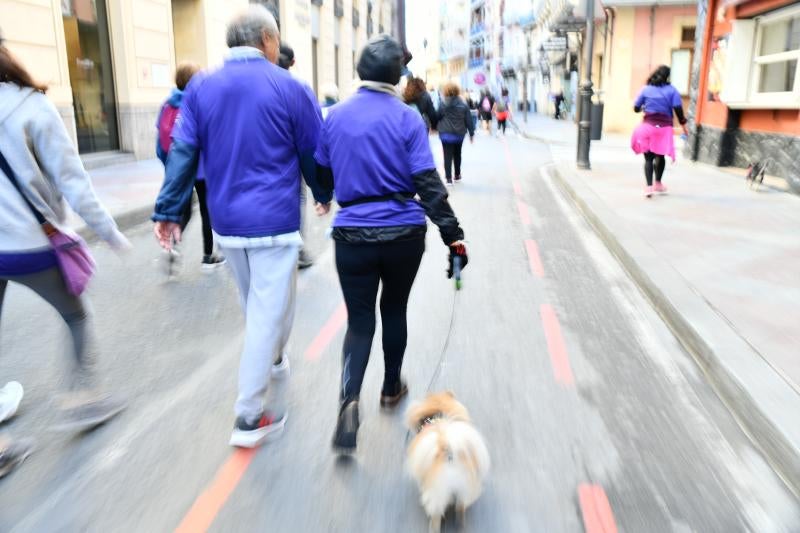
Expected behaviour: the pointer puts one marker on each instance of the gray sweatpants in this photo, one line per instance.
(267, 280)
(74, 310)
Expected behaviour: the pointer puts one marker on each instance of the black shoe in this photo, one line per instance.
(14, 454)
(304, 260)
(344, 439)
(210, 262)
(391, 395)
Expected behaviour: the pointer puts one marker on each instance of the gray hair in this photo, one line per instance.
(246, 28)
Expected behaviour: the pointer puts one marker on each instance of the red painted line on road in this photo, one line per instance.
(328, 332)
(596, 511)
(524, 216)
(512, 168)
(556, 346)
(207, 506)
(533, 258)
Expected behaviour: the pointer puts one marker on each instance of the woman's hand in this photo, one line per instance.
(457, 249)
(322, 209)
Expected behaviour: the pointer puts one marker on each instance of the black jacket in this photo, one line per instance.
(454, 117)
(425, 106)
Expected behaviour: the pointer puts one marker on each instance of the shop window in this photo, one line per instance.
(765, 73)
(680, 70)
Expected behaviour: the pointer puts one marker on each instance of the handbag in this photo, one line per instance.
(72, 254)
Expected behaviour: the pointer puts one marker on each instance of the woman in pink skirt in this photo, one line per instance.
(654, 136)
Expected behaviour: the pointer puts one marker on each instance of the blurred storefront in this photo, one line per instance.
(746, 101)
(110, 63)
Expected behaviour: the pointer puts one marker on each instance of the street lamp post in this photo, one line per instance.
(584, 125)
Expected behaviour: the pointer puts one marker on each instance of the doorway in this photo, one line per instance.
(91, 74)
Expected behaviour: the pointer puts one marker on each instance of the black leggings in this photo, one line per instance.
(501, 125)
(653, 161)
(208, 238)
(452, 155)
(361, 268)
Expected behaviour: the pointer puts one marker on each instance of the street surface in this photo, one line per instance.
(581, 392)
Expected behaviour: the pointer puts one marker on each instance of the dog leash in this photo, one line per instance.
(440, 363)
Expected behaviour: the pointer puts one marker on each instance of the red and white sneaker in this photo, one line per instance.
(659, 187)
(648, 191)
(267, 427)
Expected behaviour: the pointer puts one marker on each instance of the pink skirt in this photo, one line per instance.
(657, 139)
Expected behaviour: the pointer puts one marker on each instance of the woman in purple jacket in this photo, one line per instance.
(654, 136)
(374, 151)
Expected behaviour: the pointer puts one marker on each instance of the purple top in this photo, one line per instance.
(22, 263)
(658, 103)
(374, 144)
(252, 121)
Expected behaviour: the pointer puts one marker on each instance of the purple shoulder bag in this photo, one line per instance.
(74, 259)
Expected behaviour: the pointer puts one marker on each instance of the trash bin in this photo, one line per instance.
(596, 131)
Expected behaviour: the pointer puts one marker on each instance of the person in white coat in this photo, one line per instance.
(39, 168)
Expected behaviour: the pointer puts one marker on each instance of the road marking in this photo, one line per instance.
(512, 168)
(596, 511)
(556, 346)
(327, 333)
(524, 216)
(533, 258)
(207, 506)
(517, 187)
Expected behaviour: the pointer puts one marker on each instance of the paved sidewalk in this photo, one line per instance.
(737, 249)
(128, 191)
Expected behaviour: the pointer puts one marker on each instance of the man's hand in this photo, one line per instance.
(322, 209)
(167, 233)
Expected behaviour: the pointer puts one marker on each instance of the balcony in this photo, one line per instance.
(338, 8)
(356, 17)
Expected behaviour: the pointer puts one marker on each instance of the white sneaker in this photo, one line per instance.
(10, 398)
(281, 370)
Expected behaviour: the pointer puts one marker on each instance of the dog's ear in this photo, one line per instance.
(450, 393)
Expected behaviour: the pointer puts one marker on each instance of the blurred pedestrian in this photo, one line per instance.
(654, 136)
(330, 95)
(375, 152)
(39, 168)
(255, 127)
(558, 101)
(455, 121)
(501, 111)
(416, 96)
(286, 61)
(472, 104)
(486, 106)
(165, 124)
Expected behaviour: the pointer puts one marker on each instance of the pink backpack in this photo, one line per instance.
(166, 121)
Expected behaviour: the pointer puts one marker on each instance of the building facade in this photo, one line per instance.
(746, 93)
(632, 39)
(110, 63)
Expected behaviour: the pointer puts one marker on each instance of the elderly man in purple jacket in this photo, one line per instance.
(255, 128)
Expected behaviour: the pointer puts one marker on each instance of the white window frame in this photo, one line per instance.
(786, 98)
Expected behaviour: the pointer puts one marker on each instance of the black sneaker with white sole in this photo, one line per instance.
(13, 454)
(267, 427)
(211, 262)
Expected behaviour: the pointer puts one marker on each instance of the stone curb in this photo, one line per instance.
(763, 403)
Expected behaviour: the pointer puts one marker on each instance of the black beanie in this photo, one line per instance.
(381, 60)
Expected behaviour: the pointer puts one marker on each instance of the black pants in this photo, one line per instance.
(501, 125)
(208, 238)
(361, 268)
(653, 162)
(452, 155)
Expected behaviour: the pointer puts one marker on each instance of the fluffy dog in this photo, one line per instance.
(447, 457)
